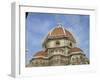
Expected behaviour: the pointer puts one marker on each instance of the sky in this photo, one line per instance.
(39, 24)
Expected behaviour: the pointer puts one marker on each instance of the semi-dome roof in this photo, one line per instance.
(75, 49)
(40, 54)
(60, 32)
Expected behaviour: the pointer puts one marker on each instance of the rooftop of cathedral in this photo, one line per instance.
(40, 54)
(75, 49)
(60, 32)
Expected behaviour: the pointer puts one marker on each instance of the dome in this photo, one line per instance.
(75, 49)
(60, 32)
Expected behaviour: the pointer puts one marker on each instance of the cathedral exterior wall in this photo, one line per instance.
(58, 60)
(59, 50)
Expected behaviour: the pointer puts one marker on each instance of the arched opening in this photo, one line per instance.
(70, 44)
(57, 43)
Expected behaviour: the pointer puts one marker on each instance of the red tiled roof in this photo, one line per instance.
(40, 54)
(60, 32)
(75, 49)
(56, 32)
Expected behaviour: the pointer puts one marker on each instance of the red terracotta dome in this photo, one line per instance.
(60, 32)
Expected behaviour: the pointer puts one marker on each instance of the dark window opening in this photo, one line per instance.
(57, 43)
(70, 44)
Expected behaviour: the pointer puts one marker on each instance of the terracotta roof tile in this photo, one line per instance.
(57, 31)
(75, 49)
(40, 54)
(60, 32)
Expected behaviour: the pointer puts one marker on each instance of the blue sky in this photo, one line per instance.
(38, 25)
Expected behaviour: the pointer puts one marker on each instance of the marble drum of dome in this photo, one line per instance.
(53, 40)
